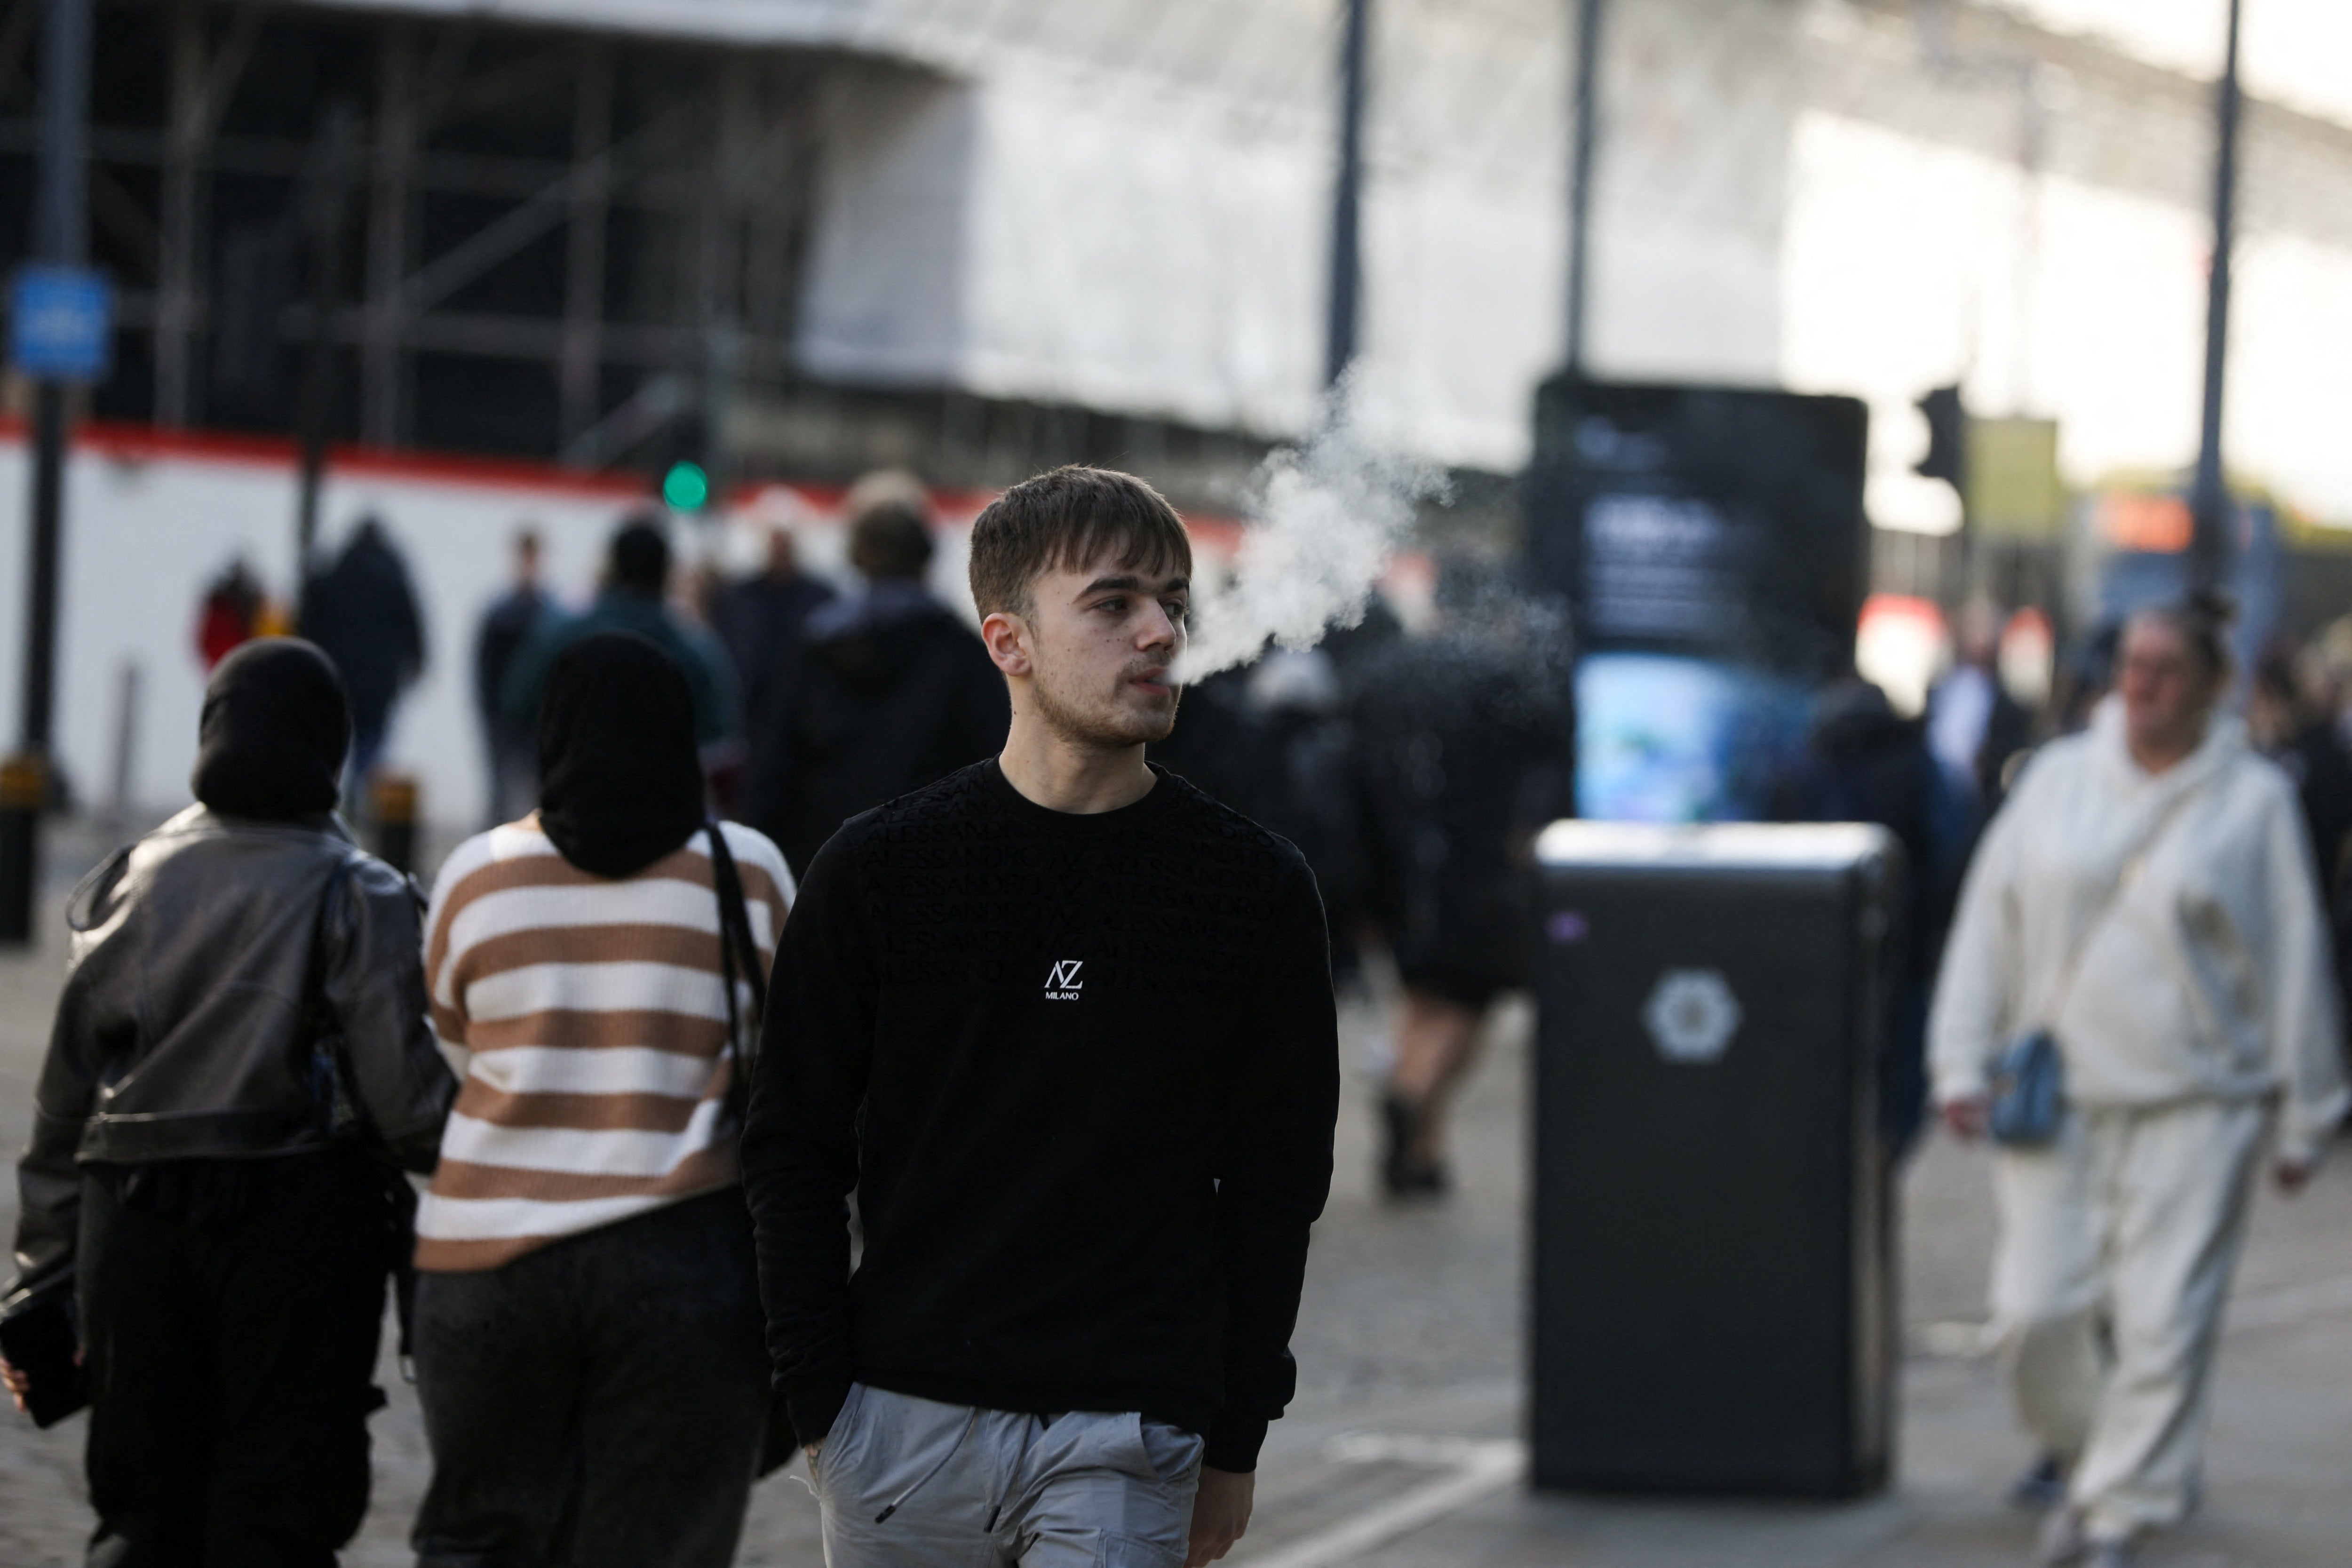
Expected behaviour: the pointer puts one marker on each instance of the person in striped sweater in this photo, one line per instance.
(588, 1325)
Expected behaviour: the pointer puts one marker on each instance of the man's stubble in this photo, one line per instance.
(1106, 729)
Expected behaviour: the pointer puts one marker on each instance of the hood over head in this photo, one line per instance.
(1852, 715)
(621, 781)
(275, 727)
(2224, 742)
(871, 642)
(887, 602)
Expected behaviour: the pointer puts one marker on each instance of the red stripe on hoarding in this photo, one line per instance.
(147, 443)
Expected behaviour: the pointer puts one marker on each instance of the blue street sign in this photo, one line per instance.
(61, 321)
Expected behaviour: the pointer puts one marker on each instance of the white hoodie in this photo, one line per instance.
(2207, 977)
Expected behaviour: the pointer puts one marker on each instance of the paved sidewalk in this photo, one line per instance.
(2279, 1476)
(1409, 1351)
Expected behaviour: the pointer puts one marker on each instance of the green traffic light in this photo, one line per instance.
(686, 486)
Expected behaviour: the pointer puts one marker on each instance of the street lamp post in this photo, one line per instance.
(59, 246)
(1347, 203)
(2209, 502)
(1585, 114)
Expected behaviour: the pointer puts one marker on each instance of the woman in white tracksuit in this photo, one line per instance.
(2146, 895)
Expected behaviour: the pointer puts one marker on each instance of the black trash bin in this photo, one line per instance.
(1714, 1302)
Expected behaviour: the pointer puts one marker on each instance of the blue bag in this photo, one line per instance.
(2028, 1092)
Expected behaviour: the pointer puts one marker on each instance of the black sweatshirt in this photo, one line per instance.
(1082, 1071)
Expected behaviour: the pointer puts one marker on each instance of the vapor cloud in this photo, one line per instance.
(1324, 518)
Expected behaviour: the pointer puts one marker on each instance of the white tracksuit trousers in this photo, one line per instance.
(2117, 1243)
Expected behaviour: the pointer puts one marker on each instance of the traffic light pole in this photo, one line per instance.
(1948, 459)
(2208, 499)
(60, 239)
(1347, 199)
(1585, 114)
(323, 214)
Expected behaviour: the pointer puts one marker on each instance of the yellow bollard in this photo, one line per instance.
(23, 794)
(394, 812)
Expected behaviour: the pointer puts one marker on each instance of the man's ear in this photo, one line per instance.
(1007, 636)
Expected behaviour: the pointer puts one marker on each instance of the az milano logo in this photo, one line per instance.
(1063, 984)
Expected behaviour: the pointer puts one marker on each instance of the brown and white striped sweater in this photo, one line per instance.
(587, 1020)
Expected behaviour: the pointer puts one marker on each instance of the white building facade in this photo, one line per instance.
(1125, 204)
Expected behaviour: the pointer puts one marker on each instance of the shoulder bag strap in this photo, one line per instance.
(738, 956)
(343, 1117)
(779, 1442)
(2063, 991)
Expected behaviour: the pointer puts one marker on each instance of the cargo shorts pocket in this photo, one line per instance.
(1134, 1552)
(1175, 1453)
(832, 1447)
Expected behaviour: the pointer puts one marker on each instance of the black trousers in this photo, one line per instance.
(598, 1403)
(230, 1311)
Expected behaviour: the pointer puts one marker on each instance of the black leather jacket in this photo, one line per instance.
(185, 1030)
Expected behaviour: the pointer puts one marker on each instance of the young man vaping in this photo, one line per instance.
(1065, 1026)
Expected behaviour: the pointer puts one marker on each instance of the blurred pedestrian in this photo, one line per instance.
(2146, 898)
(2085, 680)
(2300, 735)
(2331, 654)
(2292, 717)
(1459, 742)
(760, 617)
(241, 1040)
(1974, 726)
(234, 612)
(507, 626)
(1273, 742)
(361, 612)
(635, 597)
(588, 1331)
(1066, 1026)
(882, 693)
(1349, 646)
(1866, 762)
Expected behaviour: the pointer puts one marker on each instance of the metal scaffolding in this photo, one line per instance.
(533, 241)
(548, 225)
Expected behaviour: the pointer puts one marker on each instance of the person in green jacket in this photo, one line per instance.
(634, 598)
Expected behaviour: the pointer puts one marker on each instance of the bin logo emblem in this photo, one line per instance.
(1692, 1015)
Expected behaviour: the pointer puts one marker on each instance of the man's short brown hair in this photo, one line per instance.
(1069, 518)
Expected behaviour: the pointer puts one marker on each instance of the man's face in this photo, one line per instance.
(1098, 647)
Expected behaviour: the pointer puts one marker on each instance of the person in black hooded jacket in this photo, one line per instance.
(232, 977)
(881, 694)
(361, 612)
(1864, 761)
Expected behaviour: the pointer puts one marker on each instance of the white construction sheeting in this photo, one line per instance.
(1126, 204)
(825, 23)
(149, 522)
(146, 533)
